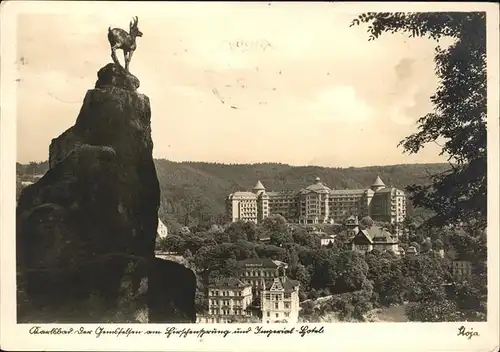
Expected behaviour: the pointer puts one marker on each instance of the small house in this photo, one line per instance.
(374, 237)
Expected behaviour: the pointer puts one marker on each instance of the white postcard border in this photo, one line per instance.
(343, 336)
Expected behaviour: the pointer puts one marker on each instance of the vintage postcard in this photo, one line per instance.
(247, 176)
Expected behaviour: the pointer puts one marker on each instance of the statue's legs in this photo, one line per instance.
(113, 56)
(128, 57)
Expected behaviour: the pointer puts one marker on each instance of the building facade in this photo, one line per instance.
(280, 301)
(461, 270)
(228, 300)
(256, 272)
(327, 240)
(162, 230)
(376, 238)
(318, 204)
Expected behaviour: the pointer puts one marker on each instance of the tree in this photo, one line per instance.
(244, 250)
(300, 273)
(270, 251)
(385, 271)
(172, 243)
(279, 239)
(438, 244)
(366, 222)
(459, 116)
(416, 246)
(352, 272)
(324, 272)
(424, 276)
(193, 242)
(303, 238)
(243, 230)
(275, 224)
(436, 311)
(426, 245)
(188, 256)
(236, 231)
(468, 247)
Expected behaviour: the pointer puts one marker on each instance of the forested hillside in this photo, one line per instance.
(194, 192)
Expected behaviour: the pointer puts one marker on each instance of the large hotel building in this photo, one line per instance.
(318, 204)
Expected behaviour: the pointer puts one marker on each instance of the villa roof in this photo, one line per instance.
(377, 235)
(282, 283)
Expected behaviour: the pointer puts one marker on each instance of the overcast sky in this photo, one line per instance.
(235, 83)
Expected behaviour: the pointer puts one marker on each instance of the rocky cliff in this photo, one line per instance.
(86, 230)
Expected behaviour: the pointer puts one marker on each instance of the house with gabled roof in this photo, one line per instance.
(374, 237)
(280, 301)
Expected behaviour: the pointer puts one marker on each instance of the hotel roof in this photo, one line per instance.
(290, 193)
(259, 186)
(317, 187)
(229, 282)
(386, 190)
(243, 194)
(378, 182)
(347, 191)
(261, 262)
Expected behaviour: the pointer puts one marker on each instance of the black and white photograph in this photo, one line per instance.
(269, 164)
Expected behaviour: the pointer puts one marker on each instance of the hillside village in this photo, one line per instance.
(351, 268)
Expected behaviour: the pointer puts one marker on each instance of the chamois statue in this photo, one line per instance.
(120, 39)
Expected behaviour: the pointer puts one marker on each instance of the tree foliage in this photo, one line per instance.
(459, 114)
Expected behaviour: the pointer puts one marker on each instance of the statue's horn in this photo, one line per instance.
(136, 20)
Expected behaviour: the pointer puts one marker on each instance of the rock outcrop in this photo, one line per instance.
(86, 230)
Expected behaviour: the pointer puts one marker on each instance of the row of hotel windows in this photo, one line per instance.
(270, 296)
(331, 198)
(342, 197)
(287, 305)
(322, 201)
(287, 314)
(214, 311)
(225, 302)
(260, 273)
(224, 293)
